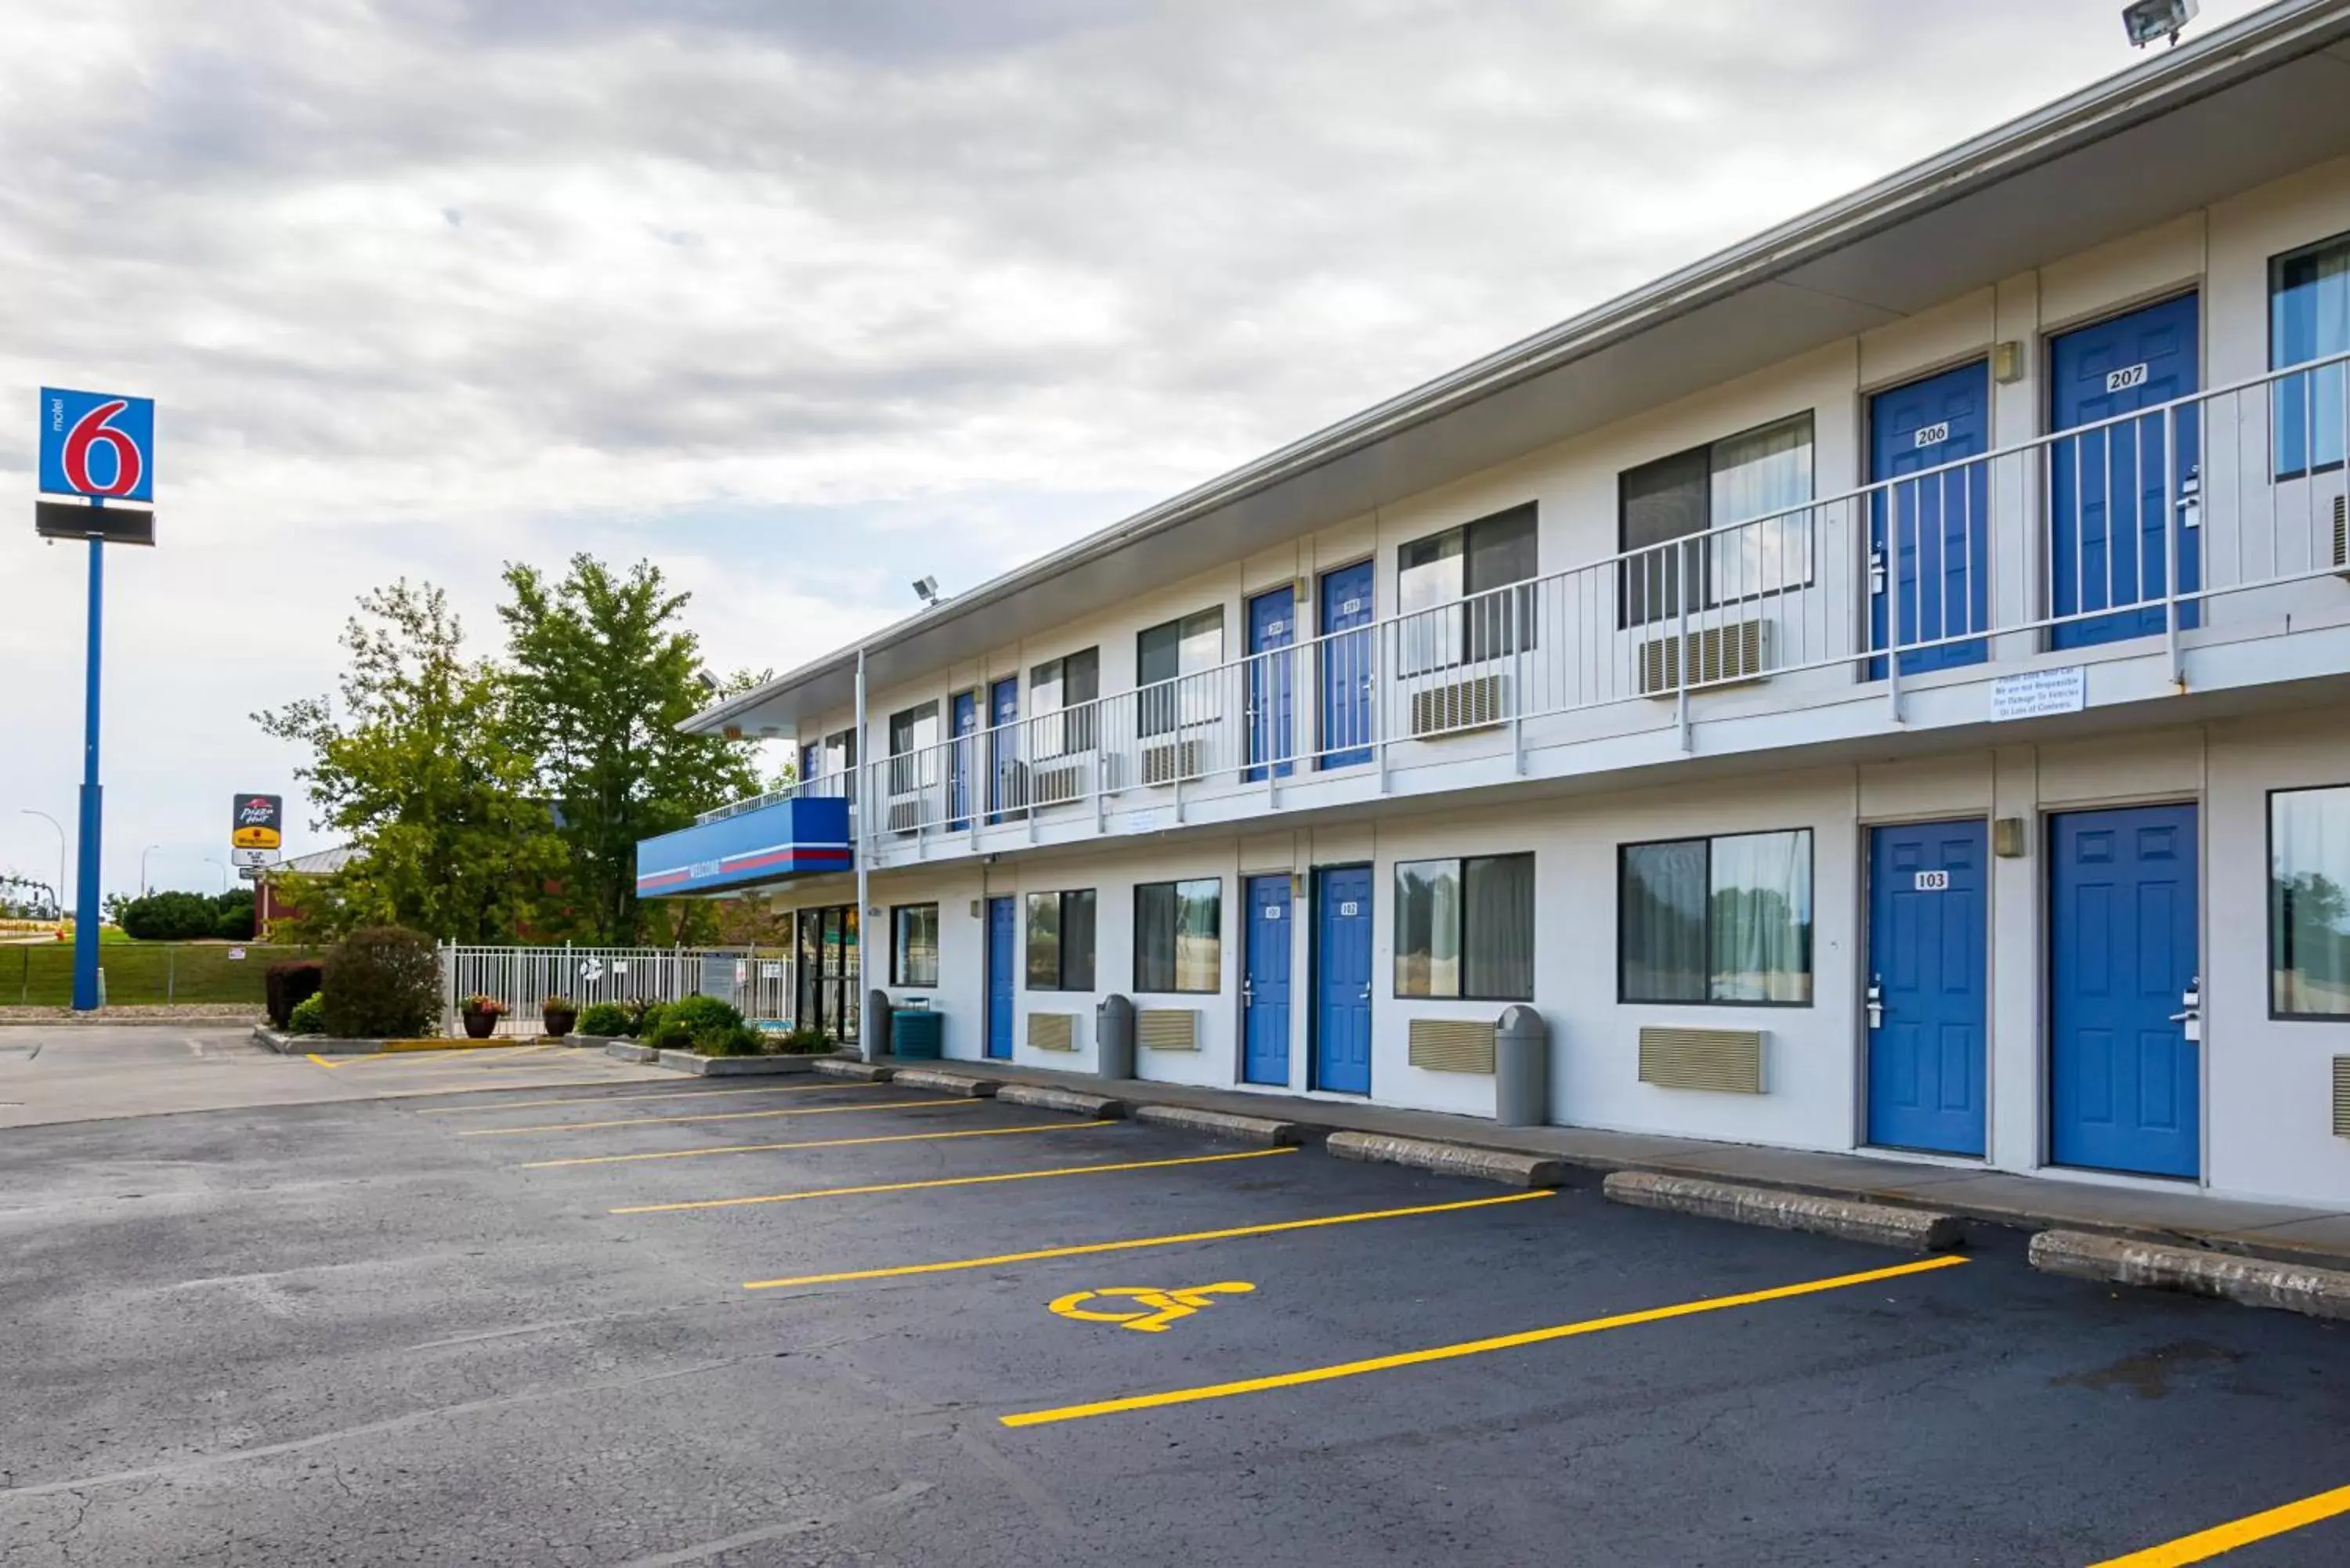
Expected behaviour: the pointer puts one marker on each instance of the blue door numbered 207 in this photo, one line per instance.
(1265, 982)
(1342, 978)
(963, 719)
(1272, 628)
(1930, 537)
(1346, 653)
(2121, 495)
(1928, 927)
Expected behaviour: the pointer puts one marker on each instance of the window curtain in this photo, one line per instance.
(1756, 475)
(1044, 942)
(1762, 918)
(1154, 937)
(1077, 941)
(2309, 902)
(1663, 922)
(2310, 313)
(1499, 912)
(1430, 576)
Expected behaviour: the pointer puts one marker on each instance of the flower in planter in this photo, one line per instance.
(559, 1013)
(483, 1002)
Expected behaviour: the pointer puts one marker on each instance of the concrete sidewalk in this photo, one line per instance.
(2184, 1216)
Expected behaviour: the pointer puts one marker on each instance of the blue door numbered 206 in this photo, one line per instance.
(1930, 537)
(1272, 628)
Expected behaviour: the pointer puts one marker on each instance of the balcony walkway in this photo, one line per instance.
(2317, 1238)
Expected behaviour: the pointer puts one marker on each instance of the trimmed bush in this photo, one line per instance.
(649, 1020)
(719, 1040)
(808, 1042)
(383, 983)
(288, 984)
(308, 1017)
(670, 1036)
(606, 1019)
(701, 1014)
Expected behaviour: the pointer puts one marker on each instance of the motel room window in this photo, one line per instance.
(1746, 479)
(1179, 936)
(1061, 940)
(914, 944)
(913, 733)
(1070, 681)
(1461, 563)
(1465, 928)
(1725, 919)
(2309, 903)
(2309, 318)
(1164, 653)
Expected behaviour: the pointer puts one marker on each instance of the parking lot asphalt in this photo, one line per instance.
(829, 1322)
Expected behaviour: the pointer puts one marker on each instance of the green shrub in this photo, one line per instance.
(671, 1035)
(287, 985)
(309, 1015)
(169, 918)
(805, 1042)
(606, 1019)
(700, 1015)
(722, 1040)
(232, 916)
(383, 983)
(650, 1018)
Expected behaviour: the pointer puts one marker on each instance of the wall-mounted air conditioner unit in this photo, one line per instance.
(2342, 535)
(1474, 702)
(1717, 655)
(1167, 759)
(1060, 781)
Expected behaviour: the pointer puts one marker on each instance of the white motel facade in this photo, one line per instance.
(1885, 687)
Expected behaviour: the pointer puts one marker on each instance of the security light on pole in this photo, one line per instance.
(2146, 20)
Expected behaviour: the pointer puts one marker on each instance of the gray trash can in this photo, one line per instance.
(877, 1024)
(1114, 1038)
(1522, 1069)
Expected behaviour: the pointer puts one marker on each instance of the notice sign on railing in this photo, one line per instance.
(2037, 693)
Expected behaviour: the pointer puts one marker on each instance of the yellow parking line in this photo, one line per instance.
(680, 1093)
(1138, 1241)
(1468, 1347)
(950, 1181)
(2207, 1545)
(809, 1143)
(922, 1105)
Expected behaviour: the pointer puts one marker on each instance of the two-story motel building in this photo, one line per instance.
(1885, 687)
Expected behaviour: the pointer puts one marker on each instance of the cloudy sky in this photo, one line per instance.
(798, 296)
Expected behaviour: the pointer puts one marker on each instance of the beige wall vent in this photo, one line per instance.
(1052, 1031)
(1718, 654)
(1452, 1046)
(1728, 1061)
(1166, 1028)
(2341, 1097)
(1476, 704)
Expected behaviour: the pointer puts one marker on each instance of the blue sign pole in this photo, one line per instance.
(86, 880)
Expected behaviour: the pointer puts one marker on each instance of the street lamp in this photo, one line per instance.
(221, 868)
(142, 866)
(53, 821)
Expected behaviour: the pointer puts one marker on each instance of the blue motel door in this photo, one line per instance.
(2118, 491)
(1271, 629)
(1265, 982)
(962, 715)
(1930, 537)
(1347, 646)
(1342, 978)
(2126, 1081)
(1928, 931)
(1003, 957)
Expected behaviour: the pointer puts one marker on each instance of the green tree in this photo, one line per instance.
(601, 672)
(425, 771)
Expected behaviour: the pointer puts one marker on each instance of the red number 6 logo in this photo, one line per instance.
(93, 430)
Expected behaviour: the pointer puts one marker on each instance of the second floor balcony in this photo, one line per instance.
(2194, 545)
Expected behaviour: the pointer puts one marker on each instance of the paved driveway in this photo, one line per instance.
(664, 1323)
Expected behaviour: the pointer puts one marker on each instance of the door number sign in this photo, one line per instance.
(1142, 1308)
(2122, 381)
(1933, 881)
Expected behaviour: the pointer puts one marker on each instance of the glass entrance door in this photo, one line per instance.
(828, 994)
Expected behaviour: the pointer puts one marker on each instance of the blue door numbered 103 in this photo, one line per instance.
(1265, 982)
(1926, 934)
(1342, 978)
(1002, 957)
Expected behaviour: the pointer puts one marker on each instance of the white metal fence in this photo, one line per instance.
(755, 979)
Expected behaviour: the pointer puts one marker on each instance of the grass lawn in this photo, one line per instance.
(141, 974)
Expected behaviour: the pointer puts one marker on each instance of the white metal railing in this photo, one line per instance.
(757, 980)
(2224, 504)
(824, 786)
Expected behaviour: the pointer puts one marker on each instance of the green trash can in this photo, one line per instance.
(915, 1033)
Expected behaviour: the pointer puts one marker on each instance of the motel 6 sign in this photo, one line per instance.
(98, 445)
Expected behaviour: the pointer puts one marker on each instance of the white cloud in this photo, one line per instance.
(421, 288)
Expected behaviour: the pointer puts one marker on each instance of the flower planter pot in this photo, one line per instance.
(480, 1025)
(559, 1021)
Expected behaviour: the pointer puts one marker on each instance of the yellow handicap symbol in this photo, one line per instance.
(1152, 1310)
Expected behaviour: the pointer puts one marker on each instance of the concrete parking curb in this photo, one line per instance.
(1448, 1158)
(628, 1051)
(1881, 1224)
(939, 1080)
(1040, 1098)
(847, 1067)
(733, 1067)
(2249, 1282)
(1220, 1124)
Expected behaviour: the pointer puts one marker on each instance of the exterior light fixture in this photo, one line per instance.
(2146, 20)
